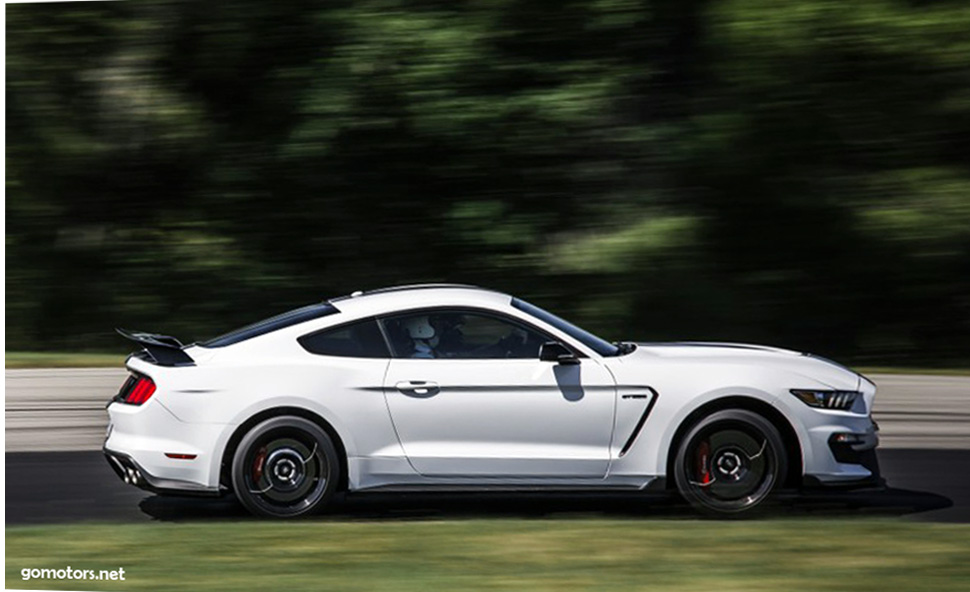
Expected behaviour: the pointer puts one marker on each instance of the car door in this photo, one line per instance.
(485, 405)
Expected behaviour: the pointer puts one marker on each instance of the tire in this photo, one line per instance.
(730, 462)
(285, 467)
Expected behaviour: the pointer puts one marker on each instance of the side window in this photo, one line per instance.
(461, 335)
(361, 339)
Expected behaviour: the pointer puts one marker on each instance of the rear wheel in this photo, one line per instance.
(729, 462)
(285, 467)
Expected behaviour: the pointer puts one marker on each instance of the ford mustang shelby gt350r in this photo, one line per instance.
(448, 387)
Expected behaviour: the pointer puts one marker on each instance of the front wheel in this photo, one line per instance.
(285, 467)
(729, 462)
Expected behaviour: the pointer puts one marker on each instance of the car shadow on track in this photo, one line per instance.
(425, 506)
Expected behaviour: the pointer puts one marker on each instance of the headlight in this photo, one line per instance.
(824, 399)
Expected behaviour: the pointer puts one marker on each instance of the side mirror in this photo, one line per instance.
(553, 351)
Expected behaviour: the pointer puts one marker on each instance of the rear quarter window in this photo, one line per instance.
(287, 319)
(361, 339)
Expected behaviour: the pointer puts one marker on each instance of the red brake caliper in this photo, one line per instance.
(703, 450)
(258, 465)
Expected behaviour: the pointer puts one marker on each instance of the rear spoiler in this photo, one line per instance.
(163, 349)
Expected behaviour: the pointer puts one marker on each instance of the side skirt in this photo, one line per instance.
(454, 486)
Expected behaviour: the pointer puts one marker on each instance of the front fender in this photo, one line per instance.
(696, 404)
(683, 390)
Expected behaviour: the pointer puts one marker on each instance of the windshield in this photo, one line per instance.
(287, 319)
(600, 346)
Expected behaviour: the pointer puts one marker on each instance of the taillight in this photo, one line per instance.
(137, 390)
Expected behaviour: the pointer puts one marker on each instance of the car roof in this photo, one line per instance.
(386, 300)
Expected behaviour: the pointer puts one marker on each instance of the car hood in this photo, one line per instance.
(811, 367)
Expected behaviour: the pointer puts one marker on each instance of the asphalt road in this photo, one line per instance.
(61, 487)
(55, 422)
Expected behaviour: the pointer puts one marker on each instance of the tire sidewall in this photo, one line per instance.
(775, 444)
(322, 439)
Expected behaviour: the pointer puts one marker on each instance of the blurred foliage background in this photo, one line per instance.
(795, 174)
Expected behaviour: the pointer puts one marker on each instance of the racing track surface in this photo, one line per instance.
(56, 473)
(57, 487)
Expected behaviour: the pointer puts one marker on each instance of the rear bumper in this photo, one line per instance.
(168, 454)
(132, 473)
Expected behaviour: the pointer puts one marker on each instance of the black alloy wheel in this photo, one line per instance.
(729, 463)
(285, 467)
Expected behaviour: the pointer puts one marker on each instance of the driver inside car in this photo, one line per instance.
(422, 334)
(449, 341)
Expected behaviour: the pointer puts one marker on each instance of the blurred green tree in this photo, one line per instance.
(736, 169)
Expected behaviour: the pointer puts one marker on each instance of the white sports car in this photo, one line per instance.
(449, 387)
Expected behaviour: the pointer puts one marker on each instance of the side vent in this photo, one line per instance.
(643, 418)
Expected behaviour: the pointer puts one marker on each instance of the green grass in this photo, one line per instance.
(63, 360)
(484, 554)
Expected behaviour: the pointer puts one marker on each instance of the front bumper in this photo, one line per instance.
(868, 461)
(845, 456)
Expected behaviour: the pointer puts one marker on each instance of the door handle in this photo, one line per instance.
(418, 388)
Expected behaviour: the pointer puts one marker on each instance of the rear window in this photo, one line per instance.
(362, 339)
(287, 319)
